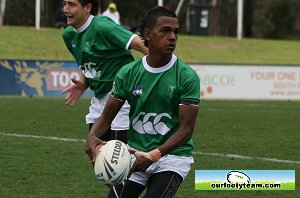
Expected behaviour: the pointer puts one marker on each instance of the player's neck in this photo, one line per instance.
(158, 60)
(82, 22)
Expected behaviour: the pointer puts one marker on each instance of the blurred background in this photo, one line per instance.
(275, 19)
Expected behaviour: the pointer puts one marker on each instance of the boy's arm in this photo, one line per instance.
(75, 91)
(101, 125)
(138, 44)
(187, 119)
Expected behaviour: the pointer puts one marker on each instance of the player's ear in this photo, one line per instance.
(146, 34)
(88, 8)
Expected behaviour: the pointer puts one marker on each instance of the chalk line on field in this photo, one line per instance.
(195, 153)
(247, 157)
(43, 137)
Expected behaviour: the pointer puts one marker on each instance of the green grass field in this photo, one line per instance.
(33, 164)
(47, 44)
(42, 140)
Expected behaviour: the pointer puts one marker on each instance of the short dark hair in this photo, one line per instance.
(95, 5)
(150, 19)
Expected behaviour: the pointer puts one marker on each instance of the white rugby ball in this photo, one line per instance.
(238, 177)
(112, 163)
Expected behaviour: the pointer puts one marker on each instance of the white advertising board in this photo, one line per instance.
(249, 82)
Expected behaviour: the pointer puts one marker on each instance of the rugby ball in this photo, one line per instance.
(112, 163)
(238, 177)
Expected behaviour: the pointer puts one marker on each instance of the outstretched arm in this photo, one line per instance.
(138, 44)
(101, 125)
(76, 90)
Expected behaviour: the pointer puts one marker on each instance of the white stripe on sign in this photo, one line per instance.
(195, 153)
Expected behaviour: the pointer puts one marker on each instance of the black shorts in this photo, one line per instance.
(113, 135)
(160, 185)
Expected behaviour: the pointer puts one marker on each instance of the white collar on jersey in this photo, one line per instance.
(159, 69)
(87, 23)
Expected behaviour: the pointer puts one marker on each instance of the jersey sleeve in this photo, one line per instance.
(120, 36)
(190, 93)
(67, 39)
(118, 89)
(117, 34)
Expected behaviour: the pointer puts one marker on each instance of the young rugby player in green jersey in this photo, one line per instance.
(164, 94)
(101, 48)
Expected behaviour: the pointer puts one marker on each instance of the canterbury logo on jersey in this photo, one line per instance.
(150, 123)
(89, 71)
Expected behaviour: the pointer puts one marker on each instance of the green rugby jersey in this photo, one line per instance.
(100, 49)
(154, 95)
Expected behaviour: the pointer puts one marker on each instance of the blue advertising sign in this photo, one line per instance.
(37, 78)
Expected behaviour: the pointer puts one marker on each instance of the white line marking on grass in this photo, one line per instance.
(247, 157)
(43, 137)
(195, 153)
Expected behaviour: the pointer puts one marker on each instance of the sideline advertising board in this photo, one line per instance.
(258, 82)
(37, 78)
(249, 82)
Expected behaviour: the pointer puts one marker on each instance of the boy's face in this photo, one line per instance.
(164, 35)
(76, 14)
